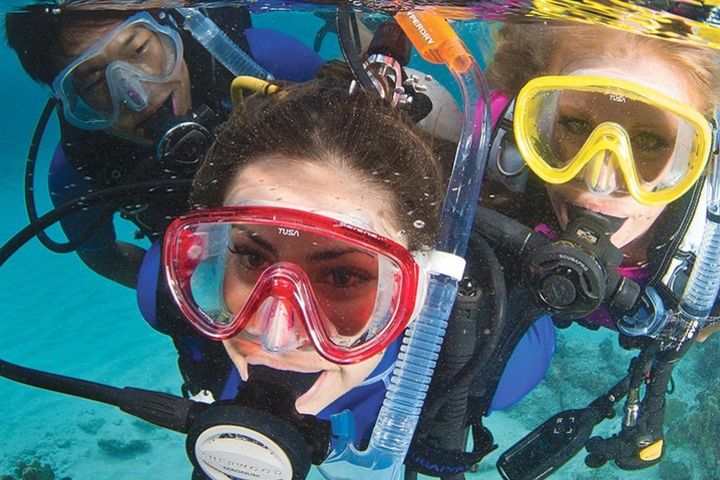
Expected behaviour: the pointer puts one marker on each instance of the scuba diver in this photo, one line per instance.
(265, 266)
(608, 134)
(314, 332)
(139, 95)
(205, 366)
(274, 157)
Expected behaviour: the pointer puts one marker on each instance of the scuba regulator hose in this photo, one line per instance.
(29, 189)
(162, 409)
(398, 417)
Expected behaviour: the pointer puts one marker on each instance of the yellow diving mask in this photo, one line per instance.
(597, 127)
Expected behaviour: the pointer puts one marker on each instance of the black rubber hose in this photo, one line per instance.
(31, 208)
(485, 342)
(59, 383)
(350, 52)
(31, 230)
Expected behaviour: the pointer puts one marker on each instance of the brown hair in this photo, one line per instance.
(320, 123)
(526, 51)
(42, 37)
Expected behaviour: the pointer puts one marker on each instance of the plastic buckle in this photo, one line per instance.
(649, 319)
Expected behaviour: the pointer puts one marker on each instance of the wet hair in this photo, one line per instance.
(526, 51)
(40, 37)
(321, 124)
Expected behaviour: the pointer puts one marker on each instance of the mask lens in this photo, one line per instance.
(346, 292)
(563, 126)
(137, 51)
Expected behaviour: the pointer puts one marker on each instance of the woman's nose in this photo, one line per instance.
(601, 174)
(278, 325)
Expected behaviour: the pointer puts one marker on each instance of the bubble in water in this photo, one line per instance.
(419, 224)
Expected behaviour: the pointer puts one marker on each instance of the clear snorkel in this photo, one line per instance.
(219, 45)
(702, 287)
(437, 42)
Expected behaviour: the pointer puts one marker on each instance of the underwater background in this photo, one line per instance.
(59, 316)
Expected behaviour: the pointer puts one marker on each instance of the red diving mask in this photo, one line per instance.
(290, 279)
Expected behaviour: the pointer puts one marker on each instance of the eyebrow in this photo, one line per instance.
(256, 238)
(131, 37)
(333, 254)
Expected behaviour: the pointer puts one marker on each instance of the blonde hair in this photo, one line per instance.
(526, 51)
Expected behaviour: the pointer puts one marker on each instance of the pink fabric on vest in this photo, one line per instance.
(498, 102)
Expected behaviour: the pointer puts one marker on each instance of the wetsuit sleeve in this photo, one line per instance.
(65, 184)
(284, 56)
(527, 365)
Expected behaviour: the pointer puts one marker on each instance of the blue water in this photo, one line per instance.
(59, 316)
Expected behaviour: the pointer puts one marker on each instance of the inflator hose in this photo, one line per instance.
(162, 409)
(346, 19)
(30, 206)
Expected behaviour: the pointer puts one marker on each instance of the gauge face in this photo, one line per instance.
(229, 451)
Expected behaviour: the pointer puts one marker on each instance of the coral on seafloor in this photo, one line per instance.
(698, 429)
(32, 470)
(119, 448)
